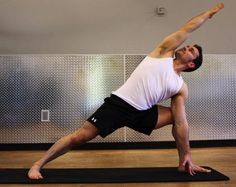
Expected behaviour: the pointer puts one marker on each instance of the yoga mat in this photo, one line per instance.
(107, 175)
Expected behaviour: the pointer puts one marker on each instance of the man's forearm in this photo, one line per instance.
(181, 135)
(197, 21)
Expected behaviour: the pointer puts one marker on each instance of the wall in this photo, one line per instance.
(108, 26)
(47, 76)
(72, 87)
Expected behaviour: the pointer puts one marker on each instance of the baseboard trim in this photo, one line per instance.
(122, 145)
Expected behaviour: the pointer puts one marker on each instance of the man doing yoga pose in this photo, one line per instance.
(135, 104)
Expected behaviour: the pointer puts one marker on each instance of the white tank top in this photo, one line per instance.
(153, 81)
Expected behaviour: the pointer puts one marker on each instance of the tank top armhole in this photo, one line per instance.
(180, 85)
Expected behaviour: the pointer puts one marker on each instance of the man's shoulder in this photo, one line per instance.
(183, 90)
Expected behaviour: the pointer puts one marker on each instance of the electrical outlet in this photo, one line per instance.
(161, 11)
(45, 115)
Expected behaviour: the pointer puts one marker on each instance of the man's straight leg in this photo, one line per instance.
(63, 145)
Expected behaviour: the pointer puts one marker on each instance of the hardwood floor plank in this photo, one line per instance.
(222, 159)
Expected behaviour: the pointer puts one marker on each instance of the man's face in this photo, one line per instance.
(187, 53)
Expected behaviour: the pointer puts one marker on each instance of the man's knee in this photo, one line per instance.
(78, 138)
(85, 133)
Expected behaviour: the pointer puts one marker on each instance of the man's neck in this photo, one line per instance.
(178, 66)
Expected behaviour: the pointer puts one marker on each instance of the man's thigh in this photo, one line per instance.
(165, 117)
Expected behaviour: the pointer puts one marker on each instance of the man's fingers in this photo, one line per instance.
(205, 170)
(216, 9)
(201, 169)
(192, 170)
(221, 5)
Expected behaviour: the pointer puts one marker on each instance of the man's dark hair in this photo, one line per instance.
(197, 61)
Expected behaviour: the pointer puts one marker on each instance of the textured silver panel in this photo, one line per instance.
(212, 100)
(211, 105)
(70, 87)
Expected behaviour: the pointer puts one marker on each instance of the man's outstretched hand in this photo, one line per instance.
(215, 9)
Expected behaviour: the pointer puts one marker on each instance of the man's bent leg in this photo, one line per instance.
(165, 117)
(85, 133)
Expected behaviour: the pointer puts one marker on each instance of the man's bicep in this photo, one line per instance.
(174, 40)
(169, 44)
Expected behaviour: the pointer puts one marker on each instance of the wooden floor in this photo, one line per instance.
(221, 159)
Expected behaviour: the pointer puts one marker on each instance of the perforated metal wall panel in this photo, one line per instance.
(71, 87)
(212, 98)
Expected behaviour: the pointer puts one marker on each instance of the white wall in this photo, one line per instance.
(108, 26)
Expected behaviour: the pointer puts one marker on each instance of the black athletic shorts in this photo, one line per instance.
(116, 113)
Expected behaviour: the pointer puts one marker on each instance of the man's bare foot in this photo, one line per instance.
(34, 172)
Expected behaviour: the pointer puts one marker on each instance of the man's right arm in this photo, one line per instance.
(180, 132)
(170, 43)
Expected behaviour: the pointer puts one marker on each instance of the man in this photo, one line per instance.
(135, 103)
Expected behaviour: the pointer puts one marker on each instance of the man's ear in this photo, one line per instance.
(191, 65)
